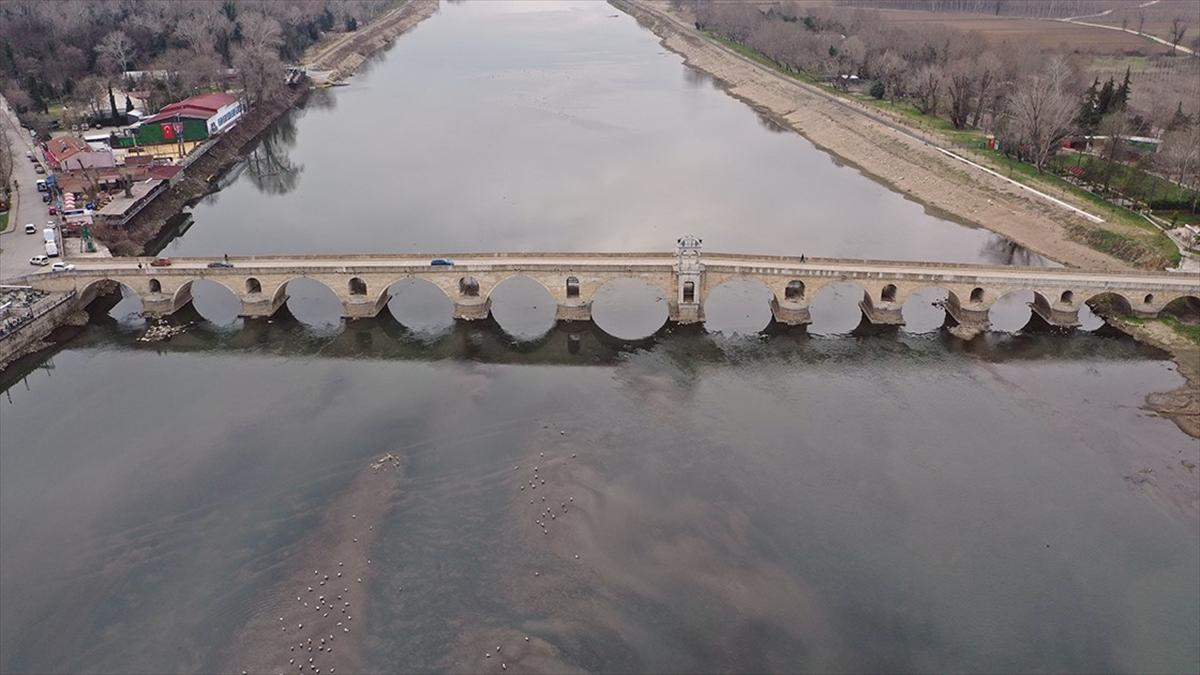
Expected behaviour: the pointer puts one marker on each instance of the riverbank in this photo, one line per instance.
(341, 53)
(1181, 405)
(894, 157)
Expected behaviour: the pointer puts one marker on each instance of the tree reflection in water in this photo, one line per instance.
(270, 165)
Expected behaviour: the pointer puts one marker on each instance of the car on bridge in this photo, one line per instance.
(436, 262)
(62, 267)
(220, 265)
(160, 262)
(39, 260)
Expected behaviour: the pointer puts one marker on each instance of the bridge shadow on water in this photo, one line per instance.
(686, 347)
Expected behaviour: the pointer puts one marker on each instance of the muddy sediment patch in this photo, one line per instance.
(313, 619)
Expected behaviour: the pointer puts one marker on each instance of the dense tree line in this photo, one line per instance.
(1031, 102)
(74, 51)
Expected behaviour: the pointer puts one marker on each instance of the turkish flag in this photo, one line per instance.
(168, 131)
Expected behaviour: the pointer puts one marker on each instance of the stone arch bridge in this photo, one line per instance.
(685, 277)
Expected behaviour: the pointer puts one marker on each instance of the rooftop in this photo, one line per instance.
(62, 147)
(202, 106)
(119, 205)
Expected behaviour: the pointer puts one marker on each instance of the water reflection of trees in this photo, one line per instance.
(769, 124)
(269, 165)
(1001, 251)
(696, 78)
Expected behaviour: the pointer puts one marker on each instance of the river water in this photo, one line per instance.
(790, 502)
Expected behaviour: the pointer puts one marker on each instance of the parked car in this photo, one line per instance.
(220, 264)
(39, 260)
(441, 261)
(37, 168)
(53, 210)
(160, 262)
(62, 267)
(30, 228)
(52, 224)
(51, 249)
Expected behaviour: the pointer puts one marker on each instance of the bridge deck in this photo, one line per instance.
(410, 263)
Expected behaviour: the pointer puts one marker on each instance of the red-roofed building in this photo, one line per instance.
(192, 120)
(61, 147)
(219, 111)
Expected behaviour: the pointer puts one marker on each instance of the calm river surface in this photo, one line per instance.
(737, 502)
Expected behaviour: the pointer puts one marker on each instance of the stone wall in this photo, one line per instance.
(29, 338)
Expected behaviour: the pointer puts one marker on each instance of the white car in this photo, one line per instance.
(39, 260)
(51, 224)
(30, 228)
(62, 267)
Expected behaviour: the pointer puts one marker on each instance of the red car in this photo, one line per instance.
(53, 211)
(161, 262)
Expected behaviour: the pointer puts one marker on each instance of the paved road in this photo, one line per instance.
(16, 247)
(618, 261)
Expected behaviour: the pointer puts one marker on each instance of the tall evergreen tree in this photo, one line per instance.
(1121, 95)
(1088, 116)
(1104, 102)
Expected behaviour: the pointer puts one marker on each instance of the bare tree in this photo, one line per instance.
(117, 49)
(1178, 28)
(926, 88)
(197, 31)
(1114, 128)
(960, 91)
(988, 70)
(1041, 111)
(260, 70)
(6, 164)
(1141, 22)
(260, 30)
(1179, 157)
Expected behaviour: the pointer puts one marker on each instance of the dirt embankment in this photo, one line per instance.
(346, 52)
(909, 165)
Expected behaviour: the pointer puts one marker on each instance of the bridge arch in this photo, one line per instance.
(210, 298)
(357, 286)
(834, 307)
(126, 310)
(631, 307)
(888, 293)
(793, 291)
(523, 306)
(572, 287)
(1110, 301)
(311, 308)
(925, 308)
(155, 286)
(253, 285)
(517, 275)
(738, 305)
(1184, 307)
(418, 304)
(1010, 311)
